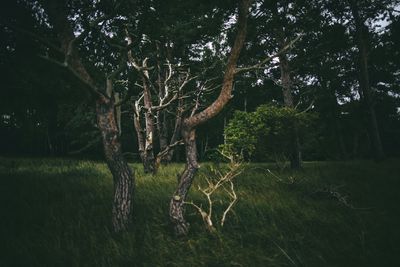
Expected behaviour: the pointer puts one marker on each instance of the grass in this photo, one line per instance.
(56, 212)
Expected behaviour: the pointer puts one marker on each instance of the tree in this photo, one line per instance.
(277, 26)
(265, 134)
(67, 55)
(362, 44)
(190, 123)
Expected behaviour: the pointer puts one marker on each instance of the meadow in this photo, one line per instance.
(56, 212)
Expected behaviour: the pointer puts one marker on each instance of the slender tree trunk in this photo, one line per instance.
(165, 155)
(362, 42)
(177, 209)
(162, 127)
(123, 176)
(149, 159)
(177, 131)
(295, 153)
(140, 135)
(286, 80)
(118, 113)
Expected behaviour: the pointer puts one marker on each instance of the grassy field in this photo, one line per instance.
(56, 212)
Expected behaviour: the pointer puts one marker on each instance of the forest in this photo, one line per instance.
(199, 133)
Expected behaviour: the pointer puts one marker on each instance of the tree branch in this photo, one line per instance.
(35, 36)
(268, 59)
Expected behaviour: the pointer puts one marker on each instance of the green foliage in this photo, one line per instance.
(267, 132)
(56, 212)
(239, 137)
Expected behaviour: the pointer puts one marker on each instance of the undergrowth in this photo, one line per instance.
(56, 212)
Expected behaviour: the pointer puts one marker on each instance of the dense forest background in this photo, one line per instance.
(45, 112)
(292, 107)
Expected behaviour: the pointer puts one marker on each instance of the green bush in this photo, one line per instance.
(267, 133)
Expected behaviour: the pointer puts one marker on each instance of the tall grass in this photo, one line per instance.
(56, 212)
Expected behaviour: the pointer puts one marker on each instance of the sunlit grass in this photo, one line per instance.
(56, 212)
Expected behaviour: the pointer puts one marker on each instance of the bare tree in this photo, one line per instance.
(170, 83)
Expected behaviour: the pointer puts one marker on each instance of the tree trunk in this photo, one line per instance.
(295, 153)
(139, 134)
(177, 131)
(123, 176)
(295, 159)
(106, 119)
(118, 113)
(148, 164)
(177, 209)
(286, 81)
(149, 159)
(366, 92)
(162, 127)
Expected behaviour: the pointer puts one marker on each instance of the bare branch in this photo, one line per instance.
(233, 195)
(93, 89)
(213, 185)
(309, 107)
(261, 64)
(54, 61)
(170, 72)
(163, 106)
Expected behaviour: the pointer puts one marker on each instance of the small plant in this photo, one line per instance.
(219, 180)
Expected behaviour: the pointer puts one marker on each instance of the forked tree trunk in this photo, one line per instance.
(181, 227)
(123, 176)
(189, 125)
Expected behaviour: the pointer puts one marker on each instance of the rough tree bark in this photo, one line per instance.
(177, 209)
(366, 92)
(122, 174)
(189, 125)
